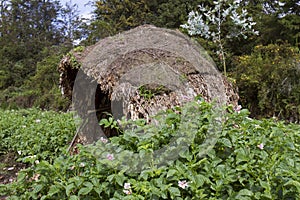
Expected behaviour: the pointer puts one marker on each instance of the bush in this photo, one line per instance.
(251, 159)
(269, 81)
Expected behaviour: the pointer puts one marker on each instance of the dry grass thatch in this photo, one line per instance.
(138, 73)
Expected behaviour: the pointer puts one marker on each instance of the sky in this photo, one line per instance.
(83, 9)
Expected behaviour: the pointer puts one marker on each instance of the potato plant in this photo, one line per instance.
(251, 159)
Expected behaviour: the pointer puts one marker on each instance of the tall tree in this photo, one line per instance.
(113, 16)
(70, 23)
(27, 27)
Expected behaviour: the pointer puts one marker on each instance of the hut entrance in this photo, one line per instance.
(103, 110)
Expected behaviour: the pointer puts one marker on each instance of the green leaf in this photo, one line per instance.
(241, 155)
(88, 184)
(290, 162)
(98, 190)
(120, 178)
(174, 192)
(69, 188)
(77, 180)
(186, 154)
(73, 197)
(245, 192)
(200, 179)
(111, 177)
(226, 142)
(85, 191)
(37, 188)
(44, 197)
(95, 182)
(54, 189)
(294, 183)
(171, 172)
(144, 175)
(21, 176)
(104, 122)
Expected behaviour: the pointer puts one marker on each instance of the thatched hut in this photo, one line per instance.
(138, 73)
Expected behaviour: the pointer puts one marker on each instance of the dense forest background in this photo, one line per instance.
(35, 35)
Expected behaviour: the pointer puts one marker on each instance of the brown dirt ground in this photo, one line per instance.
(9, 169)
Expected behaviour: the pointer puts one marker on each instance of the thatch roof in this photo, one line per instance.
(142, 71)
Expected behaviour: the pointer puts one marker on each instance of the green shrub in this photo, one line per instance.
(269, 81)
(251, 159)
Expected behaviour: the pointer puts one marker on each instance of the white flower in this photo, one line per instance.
(19, 152)
(82, 165)
(238, 109)
(127, 186)
(104, 140)
(36, 177)
(127, 192)
(38, 121)
(37, 162)
(110, 156)
(261, 146)
(183, 184)
(34, 156)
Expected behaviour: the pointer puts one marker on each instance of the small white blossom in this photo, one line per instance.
(183, 184)
(34, 156)
(261, 146)
(127, 186)
(82, 165)
(104, 140)
(238, 109)
(110, 156)
(127, 192)
(38, 121)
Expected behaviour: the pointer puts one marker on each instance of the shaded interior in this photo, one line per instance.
(103, 110)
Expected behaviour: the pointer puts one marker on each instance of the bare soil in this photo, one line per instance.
(9, 169)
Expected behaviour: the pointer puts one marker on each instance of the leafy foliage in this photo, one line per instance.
(41, 89)
(209, 23)
(113, 16)
(30, 36)
(33, 132)
(268, 80)
(249, 161)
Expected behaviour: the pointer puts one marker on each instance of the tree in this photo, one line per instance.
(209, 23)
(170, 13)
(26, 29)
(290, 20)
(114, 16)
(70, 23)
(276, 20)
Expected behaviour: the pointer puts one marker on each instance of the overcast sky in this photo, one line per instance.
(83, 9)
